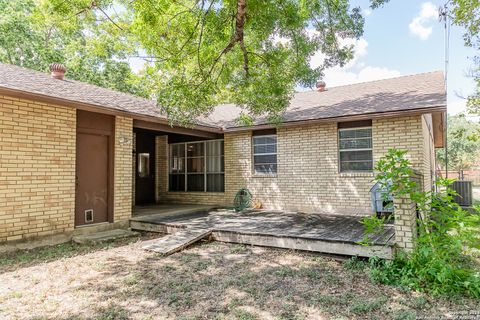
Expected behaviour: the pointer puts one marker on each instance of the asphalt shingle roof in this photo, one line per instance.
(407, 93)
(17, 78)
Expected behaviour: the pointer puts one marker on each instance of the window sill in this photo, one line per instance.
(264, 175)
(357, 174)
(195, 192)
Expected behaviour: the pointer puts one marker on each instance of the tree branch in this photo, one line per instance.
(108, 17)
(245, 59)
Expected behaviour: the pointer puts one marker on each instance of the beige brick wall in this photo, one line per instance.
(134, 169)
(123, 169)
(428, 152)
(405, 223)
(308, 178)
(37, 168)
(161, 178)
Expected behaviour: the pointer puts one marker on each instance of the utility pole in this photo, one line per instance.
(443, 17)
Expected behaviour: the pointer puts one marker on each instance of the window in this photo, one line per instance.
(197, 166)
(265, 154)
(143, 165)
(355, 149)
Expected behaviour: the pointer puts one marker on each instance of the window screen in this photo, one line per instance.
(355, 149)
(265, 154)
(197, 166)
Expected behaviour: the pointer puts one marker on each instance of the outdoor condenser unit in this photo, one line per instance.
(464, 192)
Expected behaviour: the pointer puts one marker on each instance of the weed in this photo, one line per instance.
(235, 302)
(368, 306)
(285, 271)
(168, 268)
(201, 265)
(441, 261)
(355, 263)
(288, 312)
(244, 315)
(238, 249)
(310, 273)
(112, 312)
(130, 280)
(404, 315)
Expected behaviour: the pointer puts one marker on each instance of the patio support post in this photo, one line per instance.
(405, 222)
(161, 167)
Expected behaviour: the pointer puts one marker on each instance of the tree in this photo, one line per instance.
(249, 52)
(466, 13)
(92, 50)
(463, 145)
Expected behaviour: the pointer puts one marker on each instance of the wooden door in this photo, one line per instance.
(92, 170)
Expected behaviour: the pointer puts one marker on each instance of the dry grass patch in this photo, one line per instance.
(207, 281)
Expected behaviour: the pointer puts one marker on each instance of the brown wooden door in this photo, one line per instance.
(91, 201)
(145, 168)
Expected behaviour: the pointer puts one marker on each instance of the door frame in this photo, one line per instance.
(153, 163)
(110, 133)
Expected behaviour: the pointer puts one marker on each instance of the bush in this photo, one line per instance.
(442, 261)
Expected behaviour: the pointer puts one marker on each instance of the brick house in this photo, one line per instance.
(74, 155)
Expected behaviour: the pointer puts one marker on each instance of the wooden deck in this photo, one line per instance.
(336, 234)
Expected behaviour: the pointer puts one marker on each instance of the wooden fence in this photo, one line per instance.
(467, 175)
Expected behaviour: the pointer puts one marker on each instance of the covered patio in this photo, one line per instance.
(327, 233)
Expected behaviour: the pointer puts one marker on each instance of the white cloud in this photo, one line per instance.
(339, 76)
(360, 48)
(355, 70)
(366, 12)
(457, 106)
(420, 24)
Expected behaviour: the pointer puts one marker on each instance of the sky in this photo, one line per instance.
(405, 37)
(401, 38)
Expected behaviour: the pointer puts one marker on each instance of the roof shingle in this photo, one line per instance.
(407, 93)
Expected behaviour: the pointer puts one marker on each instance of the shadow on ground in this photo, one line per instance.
(220, 281)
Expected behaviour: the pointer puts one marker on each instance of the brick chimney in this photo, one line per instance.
(57, 71)
(321, 86)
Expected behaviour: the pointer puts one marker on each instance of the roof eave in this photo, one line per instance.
(364, 116)
(94, 108)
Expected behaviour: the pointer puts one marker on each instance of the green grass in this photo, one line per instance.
(238, 249)
(112, 312)
(244, 315)
(368, 306)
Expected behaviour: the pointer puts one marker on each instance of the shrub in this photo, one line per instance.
(442, 261)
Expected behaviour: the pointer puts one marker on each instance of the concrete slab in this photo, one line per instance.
(104, 236)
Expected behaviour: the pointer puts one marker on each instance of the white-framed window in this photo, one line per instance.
(197, 166)
(355, 149)
(265, 153)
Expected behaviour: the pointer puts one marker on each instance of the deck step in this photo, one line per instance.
(177, 241)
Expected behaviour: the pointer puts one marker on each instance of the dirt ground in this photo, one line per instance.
(206, 281)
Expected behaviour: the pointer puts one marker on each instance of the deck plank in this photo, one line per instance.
(318, 232)
(177, 241)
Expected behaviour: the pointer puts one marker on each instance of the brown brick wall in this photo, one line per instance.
(37, 168)
(308, 178)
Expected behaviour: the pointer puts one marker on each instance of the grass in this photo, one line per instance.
(24, 258)
(207, 281)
